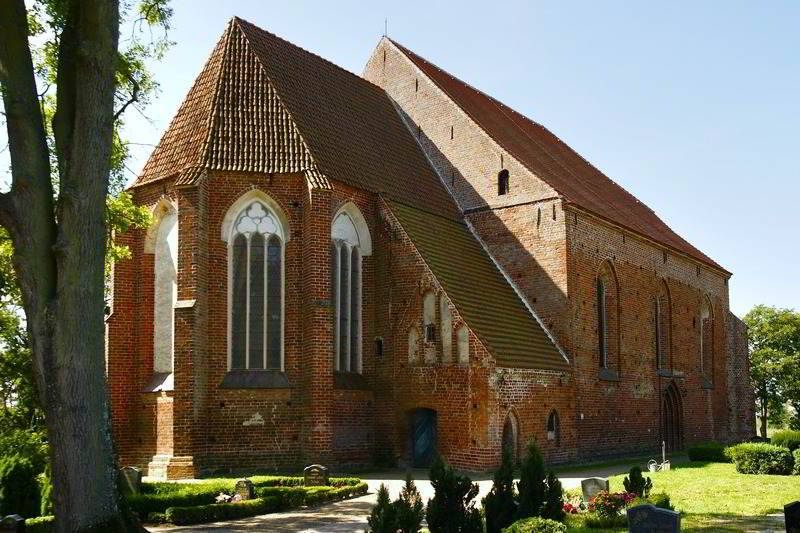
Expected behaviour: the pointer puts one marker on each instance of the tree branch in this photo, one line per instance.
(134, 96)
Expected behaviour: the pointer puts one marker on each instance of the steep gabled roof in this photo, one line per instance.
(549, 158)
(262, 104)
(479, 291)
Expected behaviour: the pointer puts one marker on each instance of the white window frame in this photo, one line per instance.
(228, 233)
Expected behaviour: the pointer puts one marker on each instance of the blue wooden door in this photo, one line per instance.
(423, 437)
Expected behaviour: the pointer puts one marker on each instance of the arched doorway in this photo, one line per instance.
(511, 437)
(423, 437)
(672, 418)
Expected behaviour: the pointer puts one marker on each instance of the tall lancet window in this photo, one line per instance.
(256, 240)
(350, 242)
(162, 242)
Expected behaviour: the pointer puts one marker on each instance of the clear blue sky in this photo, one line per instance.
(694, 107)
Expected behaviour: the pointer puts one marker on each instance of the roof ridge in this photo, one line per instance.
(212, 115)
(245, 22)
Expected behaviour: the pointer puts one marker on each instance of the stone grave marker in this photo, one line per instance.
(648, 518)
(245, 490)
(13, 523)
(592, 485)
(315, 475)
(131, 479)
(791, 513)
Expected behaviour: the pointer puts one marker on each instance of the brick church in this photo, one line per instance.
(347, 269)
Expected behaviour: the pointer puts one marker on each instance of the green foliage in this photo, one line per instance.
(637, 483)
(409, 508)
(531, 484)
(787, 438)
(596, 521)
(42, 524)
(659, 499)
(26, 443)
(761, 458)
(774, 339)
(221, 511)
(708, 451)
(536, 524)
(796, 469)
(382, 519)
(610, 504)
(553, 507)
(499, 505)
(45, 493)
(452, 510)
(19, 491)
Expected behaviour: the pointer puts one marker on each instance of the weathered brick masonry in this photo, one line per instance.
(463, 321)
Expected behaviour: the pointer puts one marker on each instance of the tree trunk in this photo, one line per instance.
(764, 416)
(60, 265)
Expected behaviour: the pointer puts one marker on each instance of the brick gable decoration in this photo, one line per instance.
(348, 270)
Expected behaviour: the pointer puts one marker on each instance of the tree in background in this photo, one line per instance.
(66, 83)
(409, 508)
(452, 510)
(773, 336)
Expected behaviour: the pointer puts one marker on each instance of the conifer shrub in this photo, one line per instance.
(499, 505)
(409, 509)
(637, 483)
(452, 509)
(531, 486)
(553, 507)
(382, 519)
(19, 488)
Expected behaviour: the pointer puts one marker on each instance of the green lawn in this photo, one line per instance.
(713, 497)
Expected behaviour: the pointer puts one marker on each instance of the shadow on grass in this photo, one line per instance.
(703, 523)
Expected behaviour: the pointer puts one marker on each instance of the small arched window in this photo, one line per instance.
(553, 427)
(350, 243)
(463, 345)
(607, 296)
(502, 182)
(662, 326)
(447, 328)
(162, 242)
(602, 322)
(707, 340)
(413, 345)
(429, 316)
(510, 437)
(255, 265)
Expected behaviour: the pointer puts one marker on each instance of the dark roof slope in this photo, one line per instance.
(553, 161)
(479, 291)
(262, 104)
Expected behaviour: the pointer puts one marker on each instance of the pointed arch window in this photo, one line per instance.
(554, 427)
(502, 182)
(662, 326)
(607, 309)
(707, 341)
(350, 242)
(256, 243)
(162, 242)
(602, 322)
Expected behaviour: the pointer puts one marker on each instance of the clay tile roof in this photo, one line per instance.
(479, 291)
(262, 104)
(549, 158)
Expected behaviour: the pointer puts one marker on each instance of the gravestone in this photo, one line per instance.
(12, 524)
(245, 490)
(131, 479)
(648, 518)
(315, 475)
(791, 513)
(592, 485)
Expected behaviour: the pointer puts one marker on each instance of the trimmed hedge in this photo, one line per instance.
(536, 524)
(43, 524)
(796, 470)
(708, 451)
(787, 439)
(659, 499)
(270, 500)
(761, 458)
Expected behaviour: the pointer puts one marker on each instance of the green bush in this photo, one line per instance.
(27, 443)
(185, 495)
(796, 470)
(659, 499)
(43, 524)
(19, 489)
(45, 492)
(637, 483)
(595, 521)
(553, 507)
(409, 509)
(787, 439)
(708, 451)
(451, 510)
(499, 505)
(761, 458)
(221, 511)
(531, 484)
(383, 518)
(536, 524)
(297, 481)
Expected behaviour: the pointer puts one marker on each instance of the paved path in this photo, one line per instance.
(351, 515)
